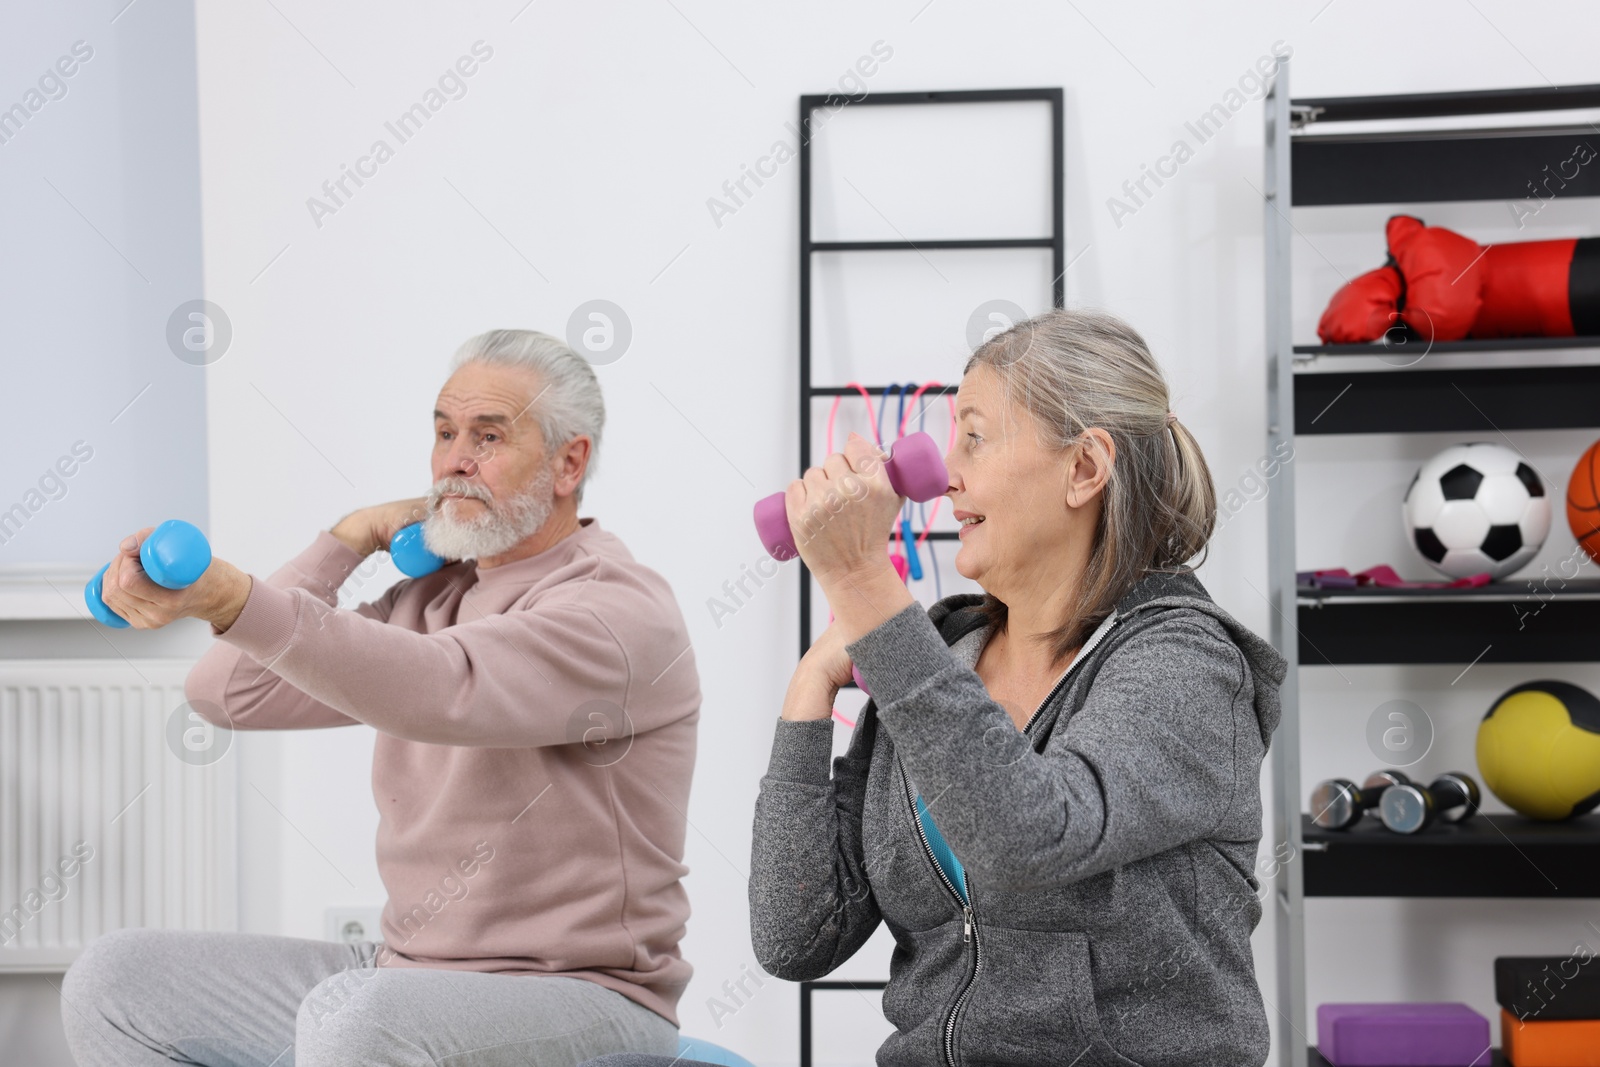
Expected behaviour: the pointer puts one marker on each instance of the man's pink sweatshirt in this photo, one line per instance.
(536, 738)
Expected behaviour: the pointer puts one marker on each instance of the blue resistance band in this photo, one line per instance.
(933, 560)
(913, 561)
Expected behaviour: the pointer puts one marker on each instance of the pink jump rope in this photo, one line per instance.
(916, 471)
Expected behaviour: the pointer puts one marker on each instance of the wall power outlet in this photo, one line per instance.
(356, 922)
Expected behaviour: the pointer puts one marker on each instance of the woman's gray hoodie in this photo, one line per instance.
(1110, 848)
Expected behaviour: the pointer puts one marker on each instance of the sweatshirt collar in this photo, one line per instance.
(958, 614)
(529, 570)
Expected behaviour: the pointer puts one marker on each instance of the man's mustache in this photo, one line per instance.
(456, 487)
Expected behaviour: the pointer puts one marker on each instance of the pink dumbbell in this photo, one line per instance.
(915, 469)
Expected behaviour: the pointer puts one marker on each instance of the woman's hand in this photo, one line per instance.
(218, 596)
(370, 529)
(823, 671)
(843, 512)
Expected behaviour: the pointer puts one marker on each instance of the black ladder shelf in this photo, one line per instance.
(1056, 242)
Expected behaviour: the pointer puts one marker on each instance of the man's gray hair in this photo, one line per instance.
(568, 402)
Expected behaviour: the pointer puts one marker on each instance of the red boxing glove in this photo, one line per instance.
(1363, 309)
(1444, 277)
(1526, 292)
(1451, 287)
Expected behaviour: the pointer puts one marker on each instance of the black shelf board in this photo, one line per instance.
(1485, 856)
(931, 244)
(1461, 400)
(1439, 105)
(1436, 166)
(1496, 1059)
(1509, 590)
(1538, 619)
(1416, 348)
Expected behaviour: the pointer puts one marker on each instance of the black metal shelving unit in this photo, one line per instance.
(1056, 242)
(1415, 388)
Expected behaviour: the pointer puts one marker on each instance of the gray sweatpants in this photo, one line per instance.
(136, 998)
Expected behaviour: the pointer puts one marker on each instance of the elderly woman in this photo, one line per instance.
(1053, 797)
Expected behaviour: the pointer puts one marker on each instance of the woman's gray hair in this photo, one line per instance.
(568, 403)
(1075, 369)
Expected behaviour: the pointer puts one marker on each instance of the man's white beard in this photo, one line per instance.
(499, 529)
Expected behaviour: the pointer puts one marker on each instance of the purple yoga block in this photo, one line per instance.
(1402, 1035)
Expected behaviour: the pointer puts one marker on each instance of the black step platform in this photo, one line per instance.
(1547, 988)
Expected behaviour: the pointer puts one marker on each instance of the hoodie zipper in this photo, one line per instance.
(969, 927)
(969, 934)
(1083, 654)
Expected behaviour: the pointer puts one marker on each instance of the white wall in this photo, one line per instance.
(578, 166)
(99, 174)
(100, 182)
(105, 428)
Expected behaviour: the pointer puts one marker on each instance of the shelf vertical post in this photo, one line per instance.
(1288, 892)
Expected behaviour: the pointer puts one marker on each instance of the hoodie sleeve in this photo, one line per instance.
(1154, 758)
(811, 907)
(231, 688)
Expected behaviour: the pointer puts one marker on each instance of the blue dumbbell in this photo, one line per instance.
(410, 555)
(175, 555)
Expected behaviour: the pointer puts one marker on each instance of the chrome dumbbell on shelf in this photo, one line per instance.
(1338, 803)
(1408, 808)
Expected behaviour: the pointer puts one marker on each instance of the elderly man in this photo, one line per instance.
(535, 706)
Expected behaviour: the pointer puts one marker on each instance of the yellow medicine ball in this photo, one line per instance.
(1539, 750)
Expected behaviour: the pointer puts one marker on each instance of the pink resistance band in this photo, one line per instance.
(872, 419)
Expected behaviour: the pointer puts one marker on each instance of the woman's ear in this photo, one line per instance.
(1090, 466)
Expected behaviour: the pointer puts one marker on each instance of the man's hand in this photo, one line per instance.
(218, 597)
(371, 529)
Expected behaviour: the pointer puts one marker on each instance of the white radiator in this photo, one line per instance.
(112, 814)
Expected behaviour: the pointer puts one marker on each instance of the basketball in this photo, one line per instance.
(1583, 502)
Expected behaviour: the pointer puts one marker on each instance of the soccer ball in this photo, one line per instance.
(1477, 508)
